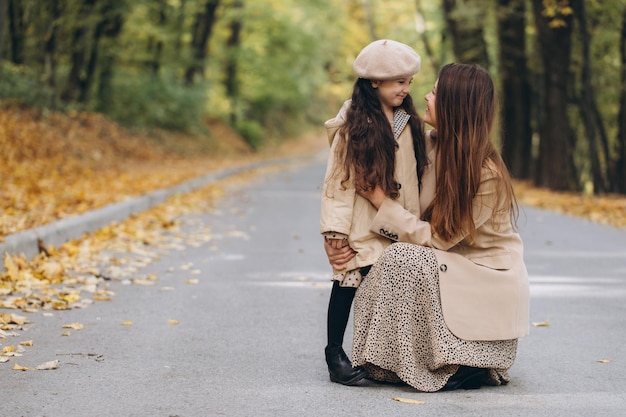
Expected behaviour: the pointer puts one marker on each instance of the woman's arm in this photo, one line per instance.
(396, 223)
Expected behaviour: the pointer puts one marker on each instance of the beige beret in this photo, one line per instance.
(385, 59)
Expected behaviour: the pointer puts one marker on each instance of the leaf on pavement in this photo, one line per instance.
(604, 361)
(408, 400)
(75, 326)
(541, 323)
(173, 322)
(18, 367)
(138, 281)
(127, 323)
(48, 366)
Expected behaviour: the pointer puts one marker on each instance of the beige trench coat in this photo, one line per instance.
(484, 283)
(347, 214)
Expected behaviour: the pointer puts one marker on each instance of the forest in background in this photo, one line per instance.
(270, 68)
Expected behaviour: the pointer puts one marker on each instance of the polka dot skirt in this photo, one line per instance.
(399, 331)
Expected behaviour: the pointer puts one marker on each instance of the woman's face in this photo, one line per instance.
(391, 93)
(430, 116)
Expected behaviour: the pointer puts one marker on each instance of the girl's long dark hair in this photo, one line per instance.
(371, 147)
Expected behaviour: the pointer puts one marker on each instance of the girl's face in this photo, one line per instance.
(430, 116)
(391, 93)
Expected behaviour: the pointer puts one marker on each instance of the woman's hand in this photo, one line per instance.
(375, 196)
(339, 252)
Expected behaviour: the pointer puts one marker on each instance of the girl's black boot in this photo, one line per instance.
(340, 368)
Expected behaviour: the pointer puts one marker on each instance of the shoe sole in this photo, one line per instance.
(350, 382)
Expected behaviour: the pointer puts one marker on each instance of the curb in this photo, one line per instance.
(64, 230)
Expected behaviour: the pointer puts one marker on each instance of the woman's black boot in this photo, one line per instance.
(340, 368)
(466, 378)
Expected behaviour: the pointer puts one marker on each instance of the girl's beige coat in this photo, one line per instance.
(344, 213)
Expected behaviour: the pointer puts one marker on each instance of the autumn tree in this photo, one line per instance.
(515, 90)
(232, 46)
(3, 22)
(201, 33)
(17, 30)
(554, 30)
(465, 23)
(620, 185)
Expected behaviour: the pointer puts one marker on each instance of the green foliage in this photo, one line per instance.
(252, 132)
(293, 65)
(20, 84)
(149, 101)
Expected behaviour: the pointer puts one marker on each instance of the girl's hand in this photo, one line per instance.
(337, 243)
(375, 196)
(338, 257)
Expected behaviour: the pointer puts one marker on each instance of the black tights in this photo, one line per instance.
(339, 312)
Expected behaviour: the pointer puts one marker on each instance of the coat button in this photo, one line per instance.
(443, 267)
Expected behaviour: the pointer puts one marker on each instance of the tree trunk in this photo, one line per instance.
(434, 62)
(620, 185)
(369, 16)
(111, 25)
(76, 80)
(202, 29)
(516, 132)
(3, 23)
(17, 31)
(587, 104)
(555, 152)
(49, 46)
(465, 20)
(155, 44)
(232, 45)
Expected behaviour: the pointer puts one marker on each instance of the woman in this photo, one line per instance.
(445, 310)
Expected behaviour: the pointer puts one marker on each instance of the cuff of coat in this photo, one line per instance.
(334, 235)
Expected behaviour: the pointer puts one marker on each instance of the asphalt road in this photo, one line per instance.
(251, 333)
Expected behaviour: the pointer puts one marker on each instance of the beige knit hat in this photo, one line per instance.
(385, 59)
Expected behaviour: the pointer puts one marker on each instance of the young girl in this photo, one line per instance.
(376, 139)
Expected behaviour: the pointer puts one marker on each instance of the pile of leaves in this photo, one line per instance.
(607, 209)
(56, 165)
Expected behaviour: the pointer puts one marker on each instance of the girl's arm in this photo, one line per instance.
(337, 200)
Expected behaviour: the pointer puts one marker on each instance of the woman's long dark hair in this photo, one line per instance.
(465, 107)
(371, 147)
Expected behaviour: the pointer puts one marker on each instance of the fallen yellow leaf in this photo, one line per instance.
(65, 334)
(17, 367)
(408, 400)
(541, 324)
(75, 326)
(127, 323)
(604, 361)
(192, 281)
(26, 343)
(142, 282)
(173, 322)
